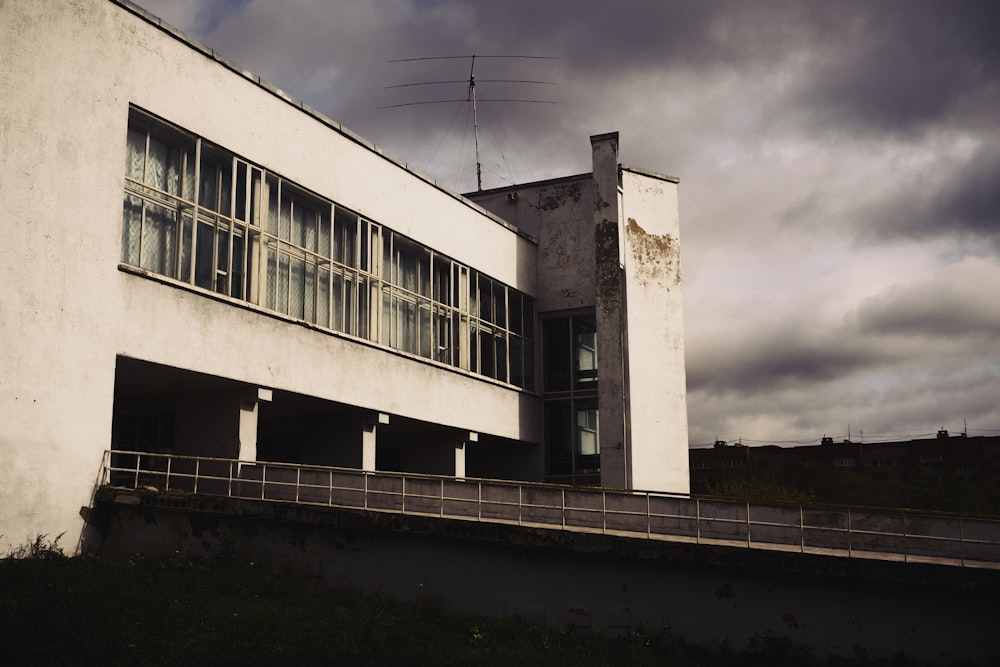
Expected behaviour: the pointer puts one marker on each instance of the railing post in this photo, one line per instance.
(263, 481)
(298, 482)
(520, 501)
(166, 482)
(850, 535)
(697, 520)
(649, 518)
(905, 547)
(441, 513)
(802, 530)
(961, 541)
(366, 489)
(748, 524)
(604, 511)
(562, 493)
(402, 499)
(135, 482)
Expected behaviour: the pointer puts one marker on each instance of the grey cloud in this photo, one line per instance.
(960, 202)
(933, 311)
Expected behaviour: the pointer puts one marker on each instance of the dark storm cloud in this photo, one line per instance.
(948, 201)
(786, 357)
(895, 67)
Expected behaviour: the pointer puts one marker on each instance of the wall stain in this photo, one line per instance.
(556, 197)
(657, 256)
(608, 273)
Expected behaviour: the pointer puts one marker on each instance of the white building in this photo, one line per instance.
(194, 262)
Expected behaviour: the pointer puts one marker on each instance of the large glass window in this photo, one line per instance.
(572, 430)
(196, 213)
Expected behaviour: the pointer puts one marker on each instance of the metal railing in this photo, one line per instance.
(884, 534)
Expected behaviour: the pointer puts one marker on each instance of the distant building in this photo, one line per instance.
(196, 263)
(975, 459)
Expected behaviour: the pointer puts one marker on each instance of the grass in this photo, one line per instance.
(56, 610)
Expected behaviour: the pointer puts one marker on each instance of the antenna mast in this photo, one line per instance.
(471, 96)
(475, 123)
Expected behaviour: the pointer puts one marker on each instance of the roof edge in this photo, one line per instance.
(177, 34)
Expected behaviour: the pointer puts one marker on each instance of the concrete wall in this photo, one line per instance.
(559, 215)
(67, 312)
(656, 377)
(835, 607)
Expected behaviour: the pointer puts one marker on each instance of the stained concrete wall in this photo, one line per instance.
(67, 313)
(610, 240)
(654, 334)
(834, 606)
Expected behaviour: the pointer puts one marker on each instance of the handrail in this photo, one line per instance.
(885, 534)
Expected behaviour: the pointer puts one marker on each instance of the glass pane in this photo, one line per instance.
(584, 351)
(345, 231)
(297, 288)
(558, 438)
(272, 205)
(363, 317)
(323, 297)
(485, 298)
(135, 154)
(424, 332)
(131, 229)
(529, 317)
(442, 280)
(204, 266)
(516, 324)
(208, 195)
(239, 273)
(310, 292)
(298, 233)
(272, 278)
(587, 431)
(159, 235)
(323, 247)
(222, 261)
(500, 342)
(500, 304)
(284, 218)
(282, 300)
(516, 357)
(556, 354)
(338, 301)
(241, 190)
(187, 224)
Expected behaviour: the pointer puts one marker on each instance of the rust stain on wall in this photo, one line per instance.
(657, 256)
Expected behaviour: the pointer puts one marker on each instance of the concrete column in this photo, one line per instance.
(248, 423)
(470, 437)
(369, 433)
(609, 311)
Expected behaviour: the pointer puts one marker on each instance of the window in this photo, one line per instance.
(572, 427)
(196, 213)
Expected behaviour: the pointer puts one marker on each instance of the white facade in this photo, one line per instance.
(115, 331)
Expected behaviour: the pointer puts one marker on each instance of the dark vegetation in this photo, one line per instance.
(926, 492)
(57, 610)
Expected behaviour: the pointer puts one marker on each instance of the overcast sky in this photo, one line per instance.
(839, 168)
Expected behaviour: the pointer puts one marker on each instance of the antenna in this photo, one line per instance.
(471, 96)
